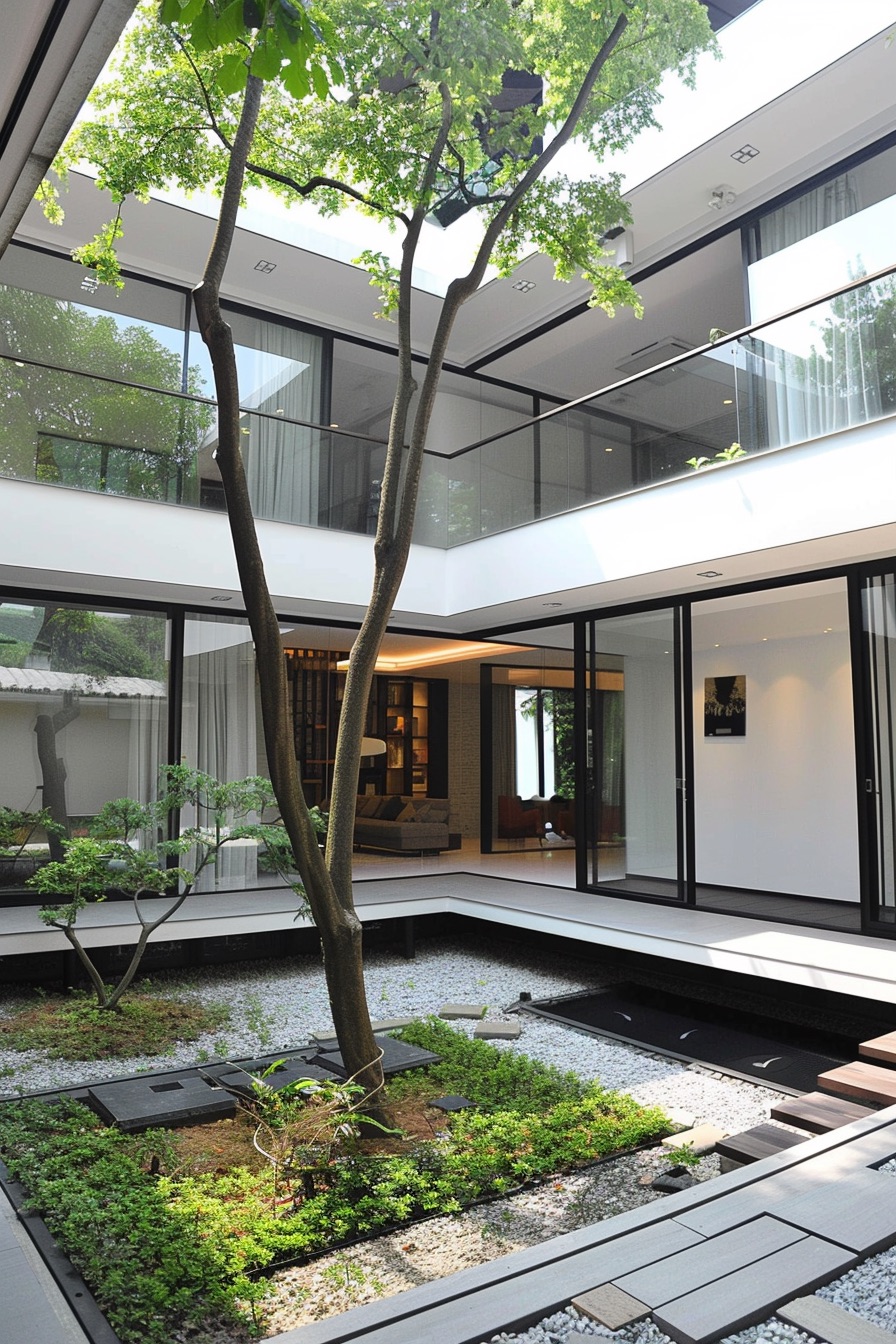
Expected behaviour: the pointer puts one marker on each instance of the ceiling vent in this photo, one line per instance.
(656, 353)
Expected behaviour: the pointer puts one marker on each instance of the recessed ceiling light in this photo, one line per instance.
(745, 153)
(729, 401)
(221, 599)
(552, 604)
(717, 646)
(524, 286)
(608, 450)
(709, 573)
(265, 267)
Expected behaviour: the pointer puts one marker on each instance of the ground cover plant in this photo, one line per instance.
(218, 1206)
(73, 1027)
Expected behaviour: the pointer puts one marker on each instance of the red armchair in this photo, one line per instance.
(516, 820)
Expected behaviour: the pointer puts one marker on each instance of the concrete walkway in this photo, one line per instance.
(819, 959)
(32, 1309)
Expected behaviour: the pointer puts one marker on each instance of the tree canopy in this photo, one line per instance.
(425, 107)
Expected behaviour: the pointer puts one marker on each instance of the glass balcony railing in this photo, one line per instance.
(827, 366)
(93, 432)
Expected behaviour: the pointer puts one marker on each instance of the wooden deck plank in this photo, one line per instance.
(817, 1112)
(880, 1047)
(756, 1143)
(833, 1196)
(714, 1259)
(752, 1293)
(869, 1082)
(825, 1320)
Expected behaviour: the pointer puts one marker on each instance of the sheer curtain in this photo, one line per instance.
(218, 733)
(504, 741)
(819, 370)
(147, 743)
(280, 373)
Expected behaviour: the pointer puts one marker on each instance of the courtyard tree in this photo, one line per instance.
(408, 112)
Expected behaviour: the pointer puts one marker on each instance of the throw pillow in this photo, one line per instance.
(391, 808)
(407, 813)
(367, 805)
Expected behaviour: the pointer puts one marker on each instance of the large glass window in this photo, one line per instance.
(532, 765)
(76, 428)
(280, 370)
(634, 763)
(219, 732)
(879, 764)
(832, 366)
(83, 707)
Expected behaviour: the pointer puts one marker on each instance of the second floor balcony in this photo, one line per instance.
(824, 367)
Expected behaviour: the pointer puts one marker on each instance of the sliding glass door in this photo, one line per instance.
(635, 754)
(878, 772)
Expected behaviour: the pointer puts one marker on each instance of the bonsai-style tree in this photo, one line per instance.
(425, 118)
(126, 852)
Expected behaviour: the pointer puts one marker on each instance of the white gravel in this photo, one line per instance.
(276, 1006)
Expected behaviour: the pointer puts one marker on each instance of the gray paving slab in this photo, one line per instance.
(751, 1294)
(462, 1010)
(497, 1031)
(825, 1320)
(610, 1306)
(708, 1261)
(33, 1309)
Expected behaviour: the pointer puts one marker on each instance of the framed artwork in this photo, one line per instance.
(725, 707)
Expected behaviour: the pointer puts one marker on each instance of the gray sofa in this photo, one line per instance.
(407, 825)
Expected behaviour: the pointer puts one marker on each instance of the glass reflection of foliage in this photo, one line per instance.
(558, 708)
(73, 639)
(64, 428)
(856, 360)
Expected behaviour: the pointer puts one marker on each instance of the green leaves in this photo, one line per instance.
(99, 254)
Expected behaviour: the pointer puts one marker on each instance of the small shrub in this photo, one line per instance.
(149, 1271)
(492, 1078)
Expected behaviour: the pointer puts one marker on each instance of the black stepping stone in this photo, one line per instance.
(451, 1103)
(134, 1104)
(397, 1056)
(676, 1178)
(239, 1080)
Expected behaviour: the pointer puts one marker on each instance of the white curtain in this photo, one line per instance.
(833, 384)
(280, 374)
(146, 745)
(218, 734)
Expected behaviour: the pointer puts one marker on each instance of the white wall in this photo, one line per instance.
(75, 541)
(776, 810)
(95, 747)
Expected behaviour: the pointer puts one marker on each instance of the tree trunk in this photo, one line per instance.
(339, 927)
(52, 769)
